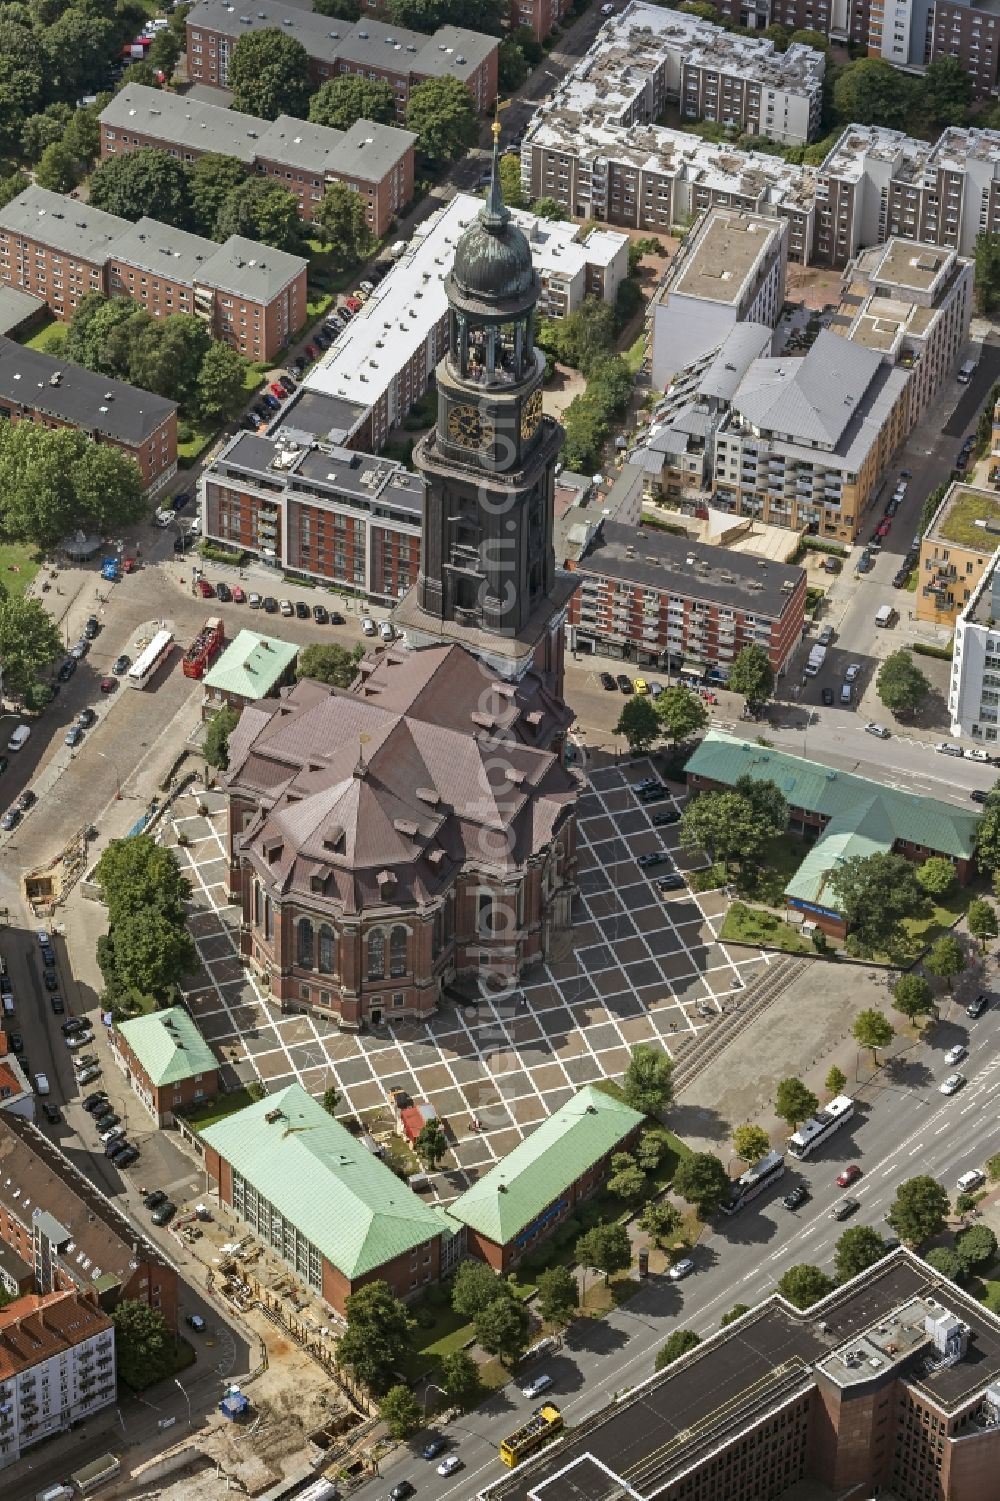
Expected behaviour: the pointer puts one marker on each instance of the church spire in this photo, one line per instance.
(496, 214)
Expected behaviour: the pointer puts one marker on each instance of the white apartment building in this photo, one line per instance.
(57, 1365)
(974, 690)
(730, 269)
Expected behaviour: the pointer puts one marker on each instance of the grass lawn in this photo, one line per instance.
(203, 1116)
(921, 932)
(18, 566)
(49, 332)
(635, 353)
(202, 434)
(440, 1331)
(968, 508)
(762, 930)
(991, 1292)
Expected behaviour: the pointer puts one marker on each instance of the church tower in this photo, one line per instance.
(488, 579)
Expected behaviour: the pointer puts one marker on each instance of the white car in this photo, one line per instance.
(681, 1269)
(112, 1133)
(80, 1040)
(871, 728)
(164, 517)
(975, 754)
(946, 748)
(607, 10)
(450, 1465)
(952, 1084)
(43, 937)
(386, 631)
(368, 625)
(853, 673)
(286, 607)
(535, 1388)
(41, 1084)
(956, 1054)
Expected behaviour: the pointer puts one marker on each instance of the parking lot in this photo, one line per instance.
(644, 968)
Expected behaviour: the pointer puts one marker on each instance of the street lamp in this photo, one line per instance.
(430, 1387)
(187, 1400)
(118, 776)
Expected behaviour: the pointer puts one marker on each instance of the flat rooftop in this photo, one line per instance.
(910, 265)
(65, 224)
(69, 393)
(724, 253)
(359, 479)
(956, 519)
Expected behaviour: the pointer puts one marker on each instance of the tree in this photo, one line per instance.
(736, 1312)
(661, 1221)
(605, 1247)
(751, 675)
(585, 339)
(875, 893)
(341, 220)
(151, 952)
(107, 485)
(211, 180)
(431, 1144)
(474, 1287)
(168, 357)
(44, 129)
(946, 1262)
(937, 877)
(913, 996)
(987, 272)
(137, 874)
(58, 169)
(835, 1080)
(946, 959)
(221, 380)
(993, 1168)
(627, 1180)
(639, 724)
(647, 1083)
(144, 1346)
(269, 74)
(54, 479)
(804, 1285)
(794, 1103)
(165, 53)
(872, 1030)
(982, 920)
(976, 1247)
(558, 1295)
(725, 825)
(400, 1412)
(858, 1248)
(870, 91)
(751, 1143)
(510, 181)
(332, 664)
(256, 1091)
(988, 828)
(79, 43)
(900, 684)
(340, 102)
(441, 114)
(132, 184)
(331, 1099)
(678, 1344)
(946, 92)
(215, 746)
(261, 209)
(549, 208)
(767, 801)
(701, 1179)
(83, 133)
(681, 713)
(141, 73)
(919, 1209)
(460, 1378)
(24, 72)
(502, 1329)
(29, 642)
(12, 185)
(377, 1334)
(338, 10)
(649, 1152)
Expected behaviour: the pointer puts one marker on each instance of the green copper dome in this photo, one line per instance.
(493, 258)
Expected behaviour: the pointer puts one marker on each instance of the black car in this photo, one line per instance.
(114, 1146)
(301, 609)
(180, 500)
(223, 592)
(51, 980)
(844, 1208)
(402, 1491)
(106, 1121)
(155, 1199)
(796, 1198)
(27, 800)
(22, 1059)
(122, 665)
(261, 410)
(92, 629)
(10, 819)
(51, 1112)
(270, 604)
(673, 882)
(91, 1102)
(16, 1042)
(323, 338)
(336, 618)
(56, 1002)
(976, 1008)
(126, 1156)
(653, 795)
(75, 1024)
(86, 718)
(320, 614)
(625, 683)
(608, 683)
(166, 1212)
(66, 670)
(826, 696)
(663, 820)
(300, 362)
(184, 541)
(287, 383)
(655, 857)
(978, 795)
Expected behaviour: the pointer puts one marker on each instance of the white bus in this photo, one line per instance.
(754, 1181)
(151, 659)
(813, 1133)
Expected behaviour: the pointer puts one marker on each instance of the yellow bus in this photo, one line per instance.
(544, 1423)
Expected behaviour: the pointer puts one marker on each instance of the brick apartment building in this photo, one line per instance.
(62, 1226)
(166, 1061)
(370, 48)
(321, 1201)
(35, 387)
(57, 1367)
(57, 249)
(376, 161)
(664, 602)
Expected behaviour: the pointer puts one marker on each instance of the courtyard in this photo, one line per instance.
(644, 968)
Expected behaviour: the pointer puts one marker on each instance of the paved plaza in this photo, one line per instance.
(644, 968)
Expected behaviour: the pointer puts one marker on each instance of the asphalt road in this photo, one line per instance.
(903, 1127)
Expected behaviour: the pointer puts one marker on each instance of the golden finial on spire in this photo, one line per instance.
(496, 129)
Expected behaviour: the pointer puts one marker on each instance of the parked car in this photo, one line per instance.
(956, 1054)
(111, 1131)
(73, 735)
(270, 604)
(654, 857)
(336, 618)
(80, 1040)
(826, 696)
(105, 1122)
(88, 1075)
(10, 819)
(320, 614)
(301, 609)
(155, 1199)
(681, 1269)
(80, 650)
(57, 1004)
(624, 683)
(537, 1385)
(879, 730)
(51, 1112)
(86, 718)
(181, 499)
(277, 390)
(50, 980)
(75, 1024)
(92, 1101)
(196, 1322)
(367, 625)
(92, 628)
(239, 595)
(27, 799)
(66, 670)
(673, 882)
(41, 1084)
(663, 820)
(254, 601)
(853, 672)
(948, 748)
(608, 682)
(126, 1156)
(164, 1214)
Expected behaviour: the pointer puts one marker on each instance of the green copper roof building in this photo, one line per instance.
(251, 667)
(508, 1200)
(169, 1046)
(323, 1182)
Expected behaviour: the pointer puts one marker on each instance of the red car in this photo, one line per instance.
(128, 565)
(311, 351)
(205, 589)
(108, 685)
(239, 598)
(849, 1175)
(277, 390)
(884, 528)
(354, 303)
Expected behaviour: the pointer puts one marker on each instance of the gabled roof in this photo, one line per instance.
(513, 1194)
(169, 1046)
(352, 1207)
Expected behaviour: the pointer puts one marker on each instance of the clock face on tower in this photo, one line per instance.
(470, 427)
(531, 414)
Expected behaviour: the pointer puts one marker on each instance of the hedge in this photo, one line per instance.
(927, 649)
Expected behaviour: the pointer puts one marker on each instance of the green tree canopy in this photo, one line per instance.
(650, 1150)
(55, 479)
(875, 893)
(400, 1412)
(330, 1099)
(512, 66)
(137, 874)
(377, 1335)
(29, 642)
(627, 1180)
(701, 1180)
(946, 959)
(474, 1287)
(431, 1144)
(269, 74)
(681, 713)
(982, 920)
(211, 180)
(912, 995)
(510, 180)
(152, 952)
(144, 1346)
(870, 91)
(661, 1221)
(460, 1378)
(167, 357)
(937, 877)
(340, 218)
(872, 1030)
(558, 1295)
(58, 169)
(261, 209)
(441, 115)
(726, 825)
(132, 184)
(751, 674)
(678, 1344)
(340, 102)
(639, 724)
(736, 1312)
(804, 1285)
(44, 129)
(647, 1084)
(794, 1103)
(919, 1210)
(945, 92)
(502, 1329)
(858, 1248)
(605, 1247)
(330, 663)
(165, 53)
(751, 1143)
(767, 801)
(900, 684)
(976, 1247)
(946, 1262)
(835, 1080)
(221, 382)
(215, 746)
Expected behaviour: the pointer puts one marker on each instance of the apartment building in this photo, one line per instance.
(370, 48)
(57, 1367)
(249, 295)
(841, 20)
(317, 510)
(970, 32)
(730, 269)
(955, 552)
(807, 439)
(974, 688)
(886, 1386)
(900, 31)
(34, 387)
(61, 1225)
(539, 15)
(376, 161)
(665, 602)
(913, 304)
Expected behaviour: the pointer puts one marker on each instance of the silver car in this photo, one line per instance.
(952, 1084)
(681, 1269)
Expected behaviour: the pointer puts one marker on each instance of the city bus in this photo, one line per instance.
(768, 1170)
(813, 1133)
(544, 1423)
(149, 661)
